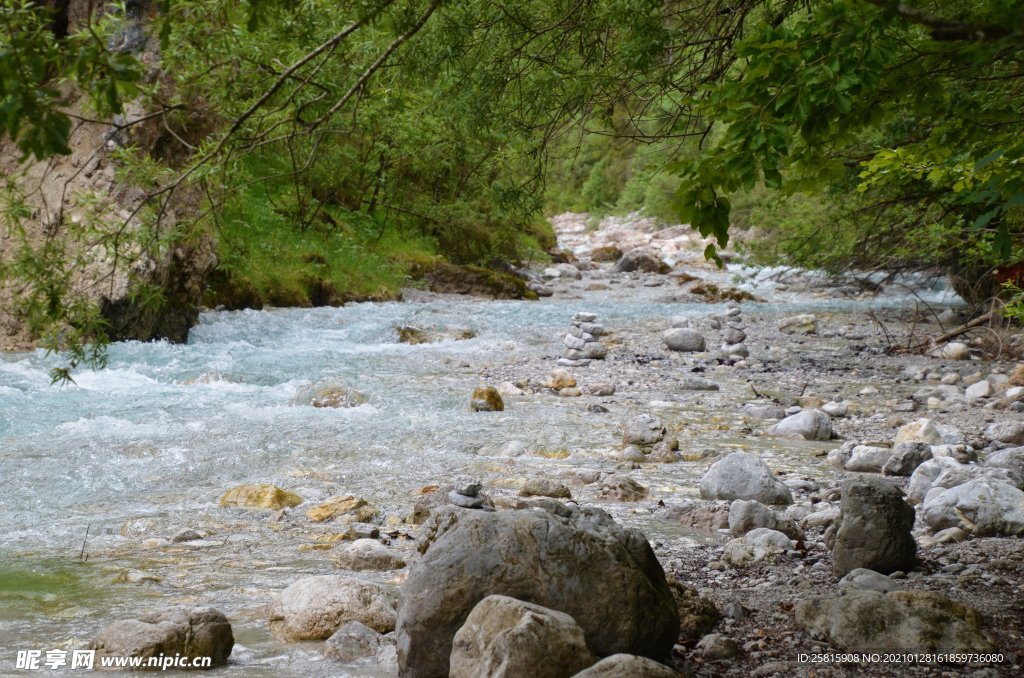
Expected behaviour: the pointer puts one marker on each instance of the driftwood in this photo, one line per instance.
(963, 329)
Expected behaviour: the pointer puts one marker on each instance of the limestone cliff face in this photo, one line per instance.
(81, 207)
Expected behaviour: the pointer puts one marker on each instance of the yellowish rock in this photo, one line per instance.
(260, 496)
(486, 399)
(349, 509)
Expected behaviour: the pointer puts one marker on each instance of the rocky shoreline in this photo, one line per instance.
(737, 440)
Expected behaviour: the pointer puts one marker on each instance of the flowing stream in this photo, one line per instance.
(148, 445)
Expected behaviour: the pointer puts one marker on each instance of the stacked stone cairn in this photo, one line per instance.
(733, 336)
(582, 343)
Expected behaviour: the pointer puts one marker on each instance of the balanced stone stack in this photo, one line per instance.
(582, 343)
(733, 335)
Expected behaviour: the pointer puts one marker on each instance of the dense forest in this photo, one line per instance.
(327, 151)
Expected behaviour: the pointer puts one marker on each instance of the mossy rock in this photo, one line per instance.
(259, 496)
(407, 334)
(447, 278)
(486, 399)
(714, 294)
(231, 292)
(608, 253)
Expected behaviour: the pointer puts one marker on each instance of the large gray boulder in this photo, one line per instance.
(574, 560)
(1011, 432)
(746, 515)
(1011, 458)
(807, 424)
(627, 666)
(313, 608)
(901, 621)
(191, 633)
(743, 476)
(506, 638)
(683, 339)
(983, 506)
(874, 528)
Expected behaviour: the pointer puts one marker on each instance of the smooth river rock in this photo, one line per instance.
(313, 608)
(683, 339)
(743, 476)
(580, 562)
(807, 424)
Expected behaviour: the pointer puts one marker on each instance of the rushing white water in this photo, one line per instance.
(150, 444)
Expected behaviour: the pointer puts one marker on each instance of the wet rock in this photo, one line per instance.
(191, 633)
(983, 507)
(905, 458)
(623, 488)
(355, 641)
(640, 260)
(543, 487)
(367, 554)
(745, 516)
(867, 459)
(644, 429)
(627, 665)
(867, 580)
(875, 528)
(572, 392)
(313, 608)
(1011, 432)
(743, 476)
(513, 448)
(347, 509)
(505, 638)
(486, 399)
(910, 621)
(260, 496)
(683, 339)
(919, 431)
(807, 424)
(559, 379)
(697, 615)
(799, 324)
(185, 535)
(579, 562)
(329, 395)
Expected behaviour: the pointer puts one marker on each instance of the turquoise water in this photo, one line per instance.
(148, 445)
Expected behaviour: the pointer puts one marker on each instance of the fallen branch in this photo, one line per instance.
(964, 329)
